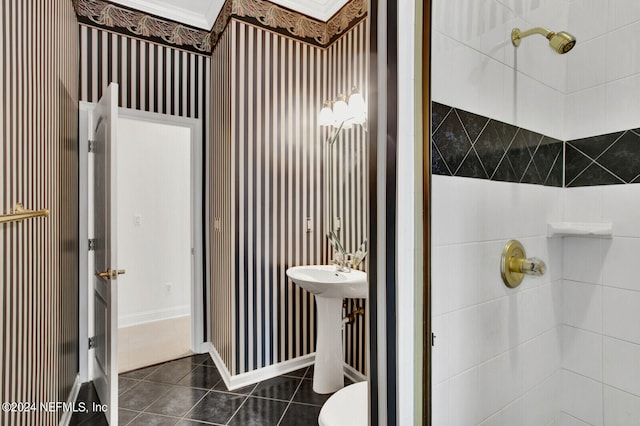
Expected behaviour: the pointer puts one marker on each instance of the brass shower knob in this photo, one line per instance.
(514, 264)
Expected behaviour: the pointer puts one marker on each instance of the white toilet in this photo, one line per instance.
(347, 407)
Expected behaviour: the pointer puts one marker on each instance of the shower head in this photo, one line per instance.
(561, 42)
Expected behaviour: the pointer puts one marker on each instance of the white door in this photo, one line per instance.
(106, 257)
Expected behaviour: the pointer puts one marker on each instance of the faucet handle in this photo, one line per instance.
(533, 266)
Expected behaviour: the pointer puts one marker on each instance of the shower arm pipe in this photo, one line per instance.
(517, 35)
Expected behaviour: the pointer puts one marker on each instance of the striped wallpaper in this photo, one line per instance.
(220, 202)
(272, 181)
(347, 66)
(38, 162)
(151, 77)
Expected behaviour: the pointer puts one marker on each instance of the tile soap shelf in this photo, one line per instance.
(579, 229)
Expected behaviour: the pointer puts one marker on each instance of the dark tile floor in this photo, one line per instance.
(190, 392)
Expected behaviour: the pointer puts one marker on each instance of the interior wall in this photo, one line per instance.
(601, 301)
(346, 67)
(151, 77)
(154, 221)
(275, 164)
(593, 342)
(496, 356)
(476, 68)
(38, 284)
(220, 255)
(603, 70)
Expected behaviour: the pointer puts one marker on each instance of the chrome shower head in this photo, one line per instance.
(561, 42)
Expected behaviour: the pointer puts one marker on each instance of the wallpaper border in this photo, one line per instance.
(262, 13)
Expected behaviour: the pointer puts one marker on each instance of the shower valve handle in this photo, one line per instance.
(530, 266)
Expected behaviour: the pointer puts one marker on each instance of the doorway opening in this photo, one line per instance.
(160, 239)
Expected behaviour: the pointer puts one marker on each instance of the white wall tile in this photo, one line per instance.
(586, 64)
(440, 404)
(499, 380)
(581, 260)
(493, 328)
(582, 352)
(466, 72)
(497, 41)
(621, 314)
(582, 305)
(621, 204)
(620, 408)
(463, 399)
(512, 414)
(587, 18)
(462, 282)
(463, 340)
(622, 365)
(540, 359)
(532, 106)
(440, 351)
(441, 65)
(583, 204)
(620, 263)
(541, 404)
(582, 397)
(455, 202)
(565, 419)
(622, 12)
(494, 420)
(622, 108)
(623, 52)
(541, 310)
(585, 113)
(535, 59)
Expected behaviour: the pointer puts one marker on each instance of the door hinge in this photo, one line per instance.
(92, 244)
(92, 342)
(433, 339)
(92, 146)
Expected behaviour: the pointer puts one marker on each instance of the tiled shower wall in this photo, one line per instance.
(589, 99)
(268, 166)
(496, 358)
(601, 302)
(595, 306)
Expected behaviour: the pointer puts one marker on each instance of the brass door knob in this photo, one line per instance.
(106, 274)
(111, 275)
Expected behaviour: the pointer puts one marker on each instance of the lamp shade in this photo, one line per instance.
(357, 107)
(340, 110)
(325, 118)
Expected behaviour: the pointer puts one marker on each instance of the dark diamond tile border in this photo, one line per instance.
(471, 145)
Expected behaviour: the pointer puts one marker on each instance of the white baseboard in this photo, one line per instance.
(154, 315)
(217, 360)
(255, 376)
(271, 371)
(73, 395)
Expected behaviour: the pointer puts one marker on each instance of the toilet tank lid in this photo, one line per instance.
(346, 407)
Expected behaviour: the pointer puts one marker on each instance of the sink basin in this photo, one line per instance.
(329, 287)
(325, 281)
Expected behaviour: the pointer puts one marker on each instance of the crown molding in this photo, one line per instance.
(173, 12)
(322, 10)
(139, 18)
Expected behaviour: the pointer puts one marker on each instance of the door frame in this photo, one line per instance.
(198, 301)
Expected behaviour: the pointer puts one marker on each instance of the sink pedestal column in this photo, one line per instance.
(328, 374)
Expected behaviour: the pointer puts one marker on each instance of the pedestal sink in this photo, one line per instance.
(329, 286)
